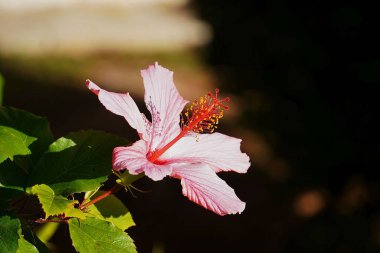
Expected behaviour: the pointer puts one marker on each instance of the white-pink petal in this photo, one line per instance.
(201, 185)
(157, 172)
(219, 151)
(133, 158)
(164, 103)
(123, 105)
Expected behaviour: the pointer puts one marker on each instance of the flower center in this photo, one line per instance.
(201, 117)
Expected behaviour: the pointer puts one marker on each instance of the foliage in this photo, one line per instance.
(99, 236)
(42, 180)
(79, 162)
(55, 205)
(113, 210)
(9, 234)
(19, 140)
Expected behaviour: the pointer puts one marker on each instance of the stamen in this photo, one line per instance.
(202, 116)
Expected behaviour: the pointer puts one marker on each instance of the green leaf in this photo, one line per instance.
(55, 205)
(98, 236)
(13, 142)
(9, 234)
(46, 231)
(25, 247)
(111, 209)
(75, 213)
(28, 124)
(61, 144)
(78, 162)
(31, 237)
(16, 174)
(12, 241)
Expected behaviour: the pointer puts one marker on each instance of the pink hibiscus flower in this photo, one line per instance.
(180, 147)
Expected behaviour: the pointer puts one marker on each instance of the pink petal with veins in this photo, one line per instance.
(219, 151)
(123, 105)
(201, 185)
(164, 103)
(157, 172)
(134, 159)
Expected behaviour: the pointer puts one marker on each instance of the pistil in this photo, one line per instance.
(201, 117)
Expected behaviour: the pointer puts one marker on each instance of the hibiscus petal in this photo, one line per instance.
(201, 185)
(219, 151)
(157, 172)
(123, 105)
(134, 159)
(164, 103)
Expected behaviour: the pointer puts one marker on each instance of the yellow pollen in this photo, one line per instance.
(203, 115)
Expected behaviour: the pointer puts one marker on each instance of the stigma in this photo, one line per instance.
(202, 116)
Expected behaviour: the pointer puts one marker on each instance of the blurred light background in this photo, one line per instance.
(304, 82)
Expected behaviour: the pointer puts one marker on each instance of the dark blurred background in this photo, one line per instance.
(304, 81)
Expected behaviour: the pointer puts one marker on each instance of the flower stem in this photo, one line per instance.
(114, 189)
